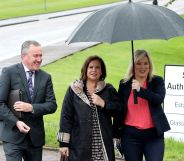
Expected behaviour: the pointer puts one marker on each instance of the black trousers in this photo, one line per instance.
(24, 150)
(137, 143)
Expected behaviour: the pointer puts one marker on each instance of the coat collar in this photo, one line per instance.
(78, 88)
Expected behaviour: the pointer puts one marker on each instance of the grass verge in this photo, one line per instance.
(17, 8)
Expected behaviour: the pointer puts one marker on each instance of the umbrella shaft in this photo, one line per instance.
(132, 44)
(134, 91)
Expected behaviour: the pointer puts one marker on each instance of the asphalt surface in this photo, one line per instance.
(48, 154)
(51, 53)
(60, 50)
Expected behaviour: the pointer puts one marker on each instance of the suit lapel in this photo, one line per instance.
(23, 78)
(36, 83)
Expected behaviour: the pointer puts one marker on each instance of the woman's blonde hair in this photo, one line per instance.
(139, 54)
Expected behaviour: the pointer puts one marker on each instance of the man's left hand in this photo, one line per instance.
(23, 106)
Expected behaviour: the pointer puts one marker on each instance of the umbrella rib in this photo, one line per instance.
(112, 33)
(159, 24)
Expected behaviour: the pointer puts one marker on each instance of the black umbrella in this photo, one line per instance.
(129, 21)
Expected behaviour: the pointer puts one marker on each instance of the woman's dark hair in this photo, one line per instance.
(86, 64)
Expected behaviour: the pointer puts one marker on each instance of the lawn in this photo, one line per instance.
(117, 57)
(17, 8)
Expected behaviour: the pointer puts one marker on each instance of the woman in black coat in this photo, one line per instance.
(143, 124)
(85, 123)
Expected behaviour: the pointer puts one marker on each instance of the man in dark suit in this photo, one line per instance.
(25, 137)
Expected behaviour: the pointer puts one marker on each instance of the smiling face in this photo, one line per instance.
(94, 71)
(33, 59)
(142, 68)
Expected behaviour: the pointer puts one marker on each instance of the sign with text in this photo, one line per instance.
(174, 100)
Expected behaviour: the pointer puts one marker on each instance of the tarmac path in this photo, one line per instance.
(48, 155)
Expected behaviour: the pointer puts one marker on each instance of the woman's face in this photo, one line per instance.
(142, 68)
(94, 70)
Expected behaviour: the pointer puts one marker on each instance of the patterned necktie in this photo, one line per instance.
(30, 84)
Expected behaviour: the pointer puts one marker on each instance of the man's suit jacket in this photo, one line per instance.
(43, 102)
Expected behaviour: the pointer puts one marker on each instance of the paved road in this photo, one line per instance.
(47, 31)
(177, 6)
(51, 53)
(48, 155)
(47, 28)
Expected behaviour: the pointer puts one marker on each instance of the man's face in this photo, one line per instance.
(33, 59)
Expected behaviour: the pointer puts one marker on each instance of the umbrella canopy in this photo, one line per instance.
(129, 21)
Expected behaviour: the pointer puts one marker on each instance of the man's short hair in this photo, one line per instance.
(26, 45)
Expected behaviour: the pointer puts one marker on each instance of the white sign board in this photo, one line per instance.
(174, 100)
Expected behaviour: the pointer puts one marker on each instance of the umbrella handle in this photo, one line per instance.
(135, 96)
(134, 91)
